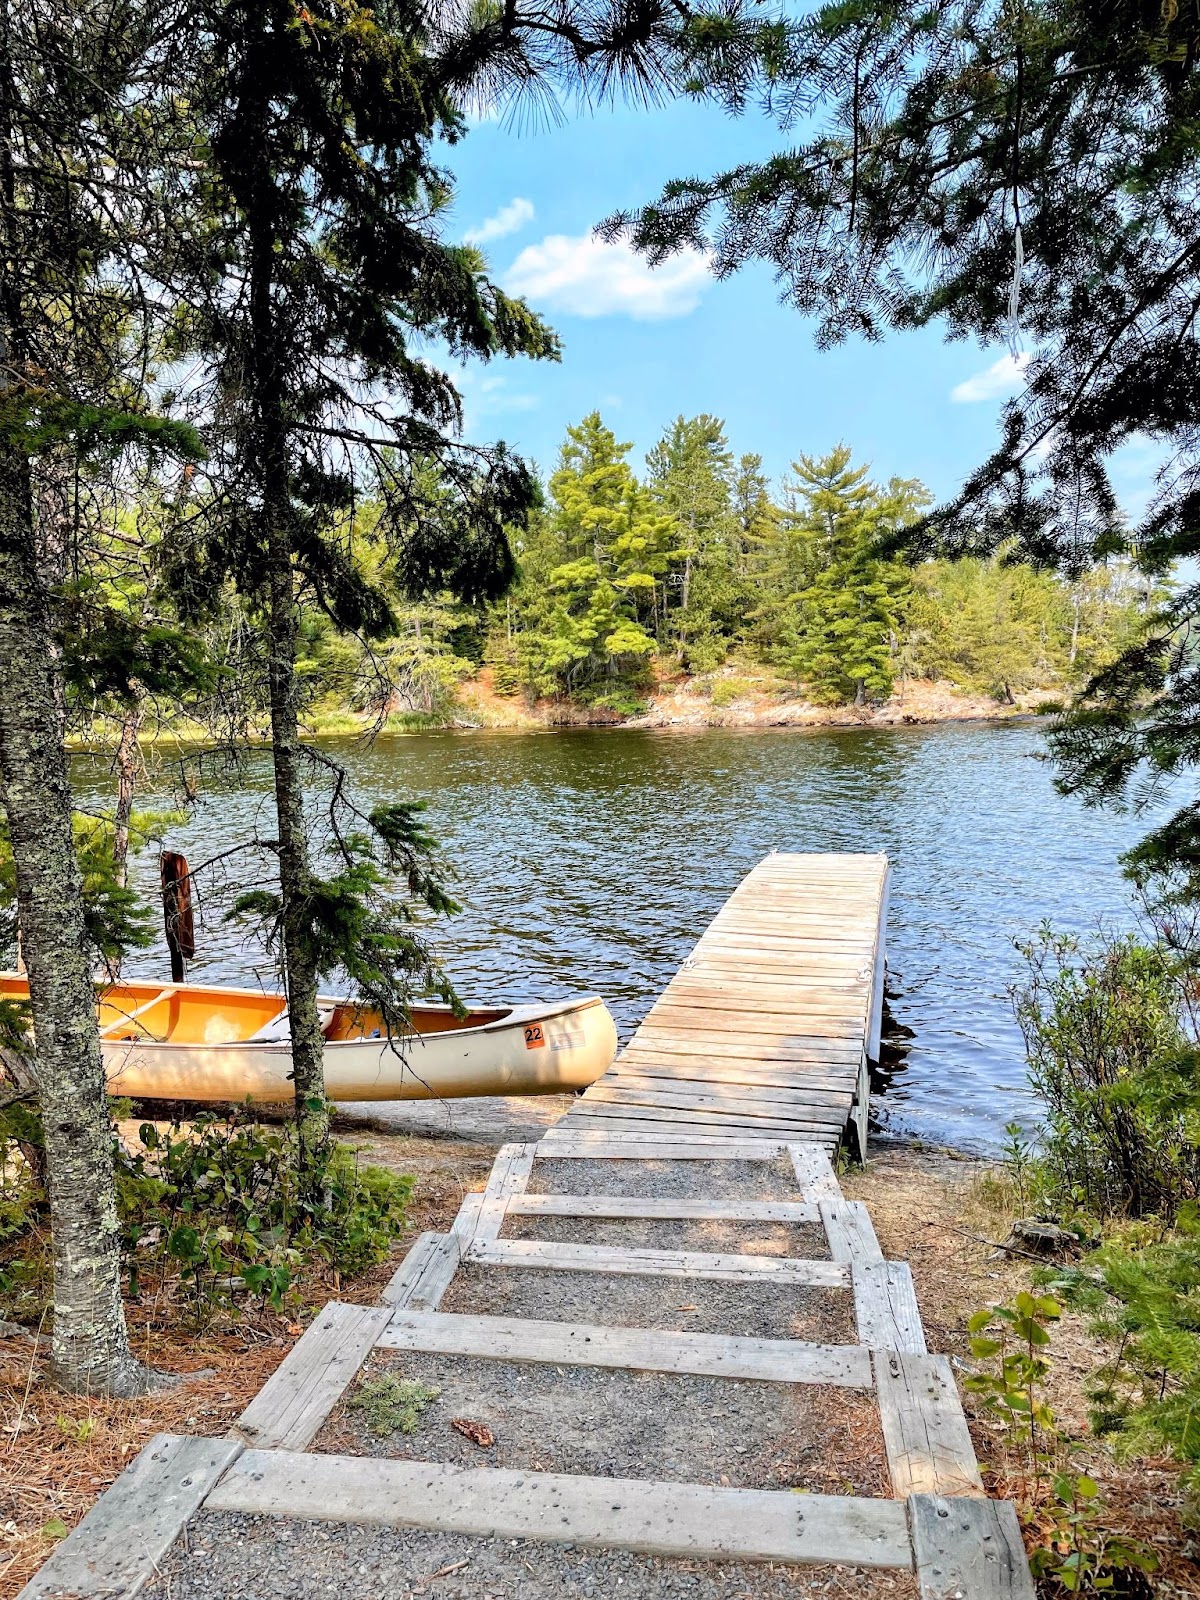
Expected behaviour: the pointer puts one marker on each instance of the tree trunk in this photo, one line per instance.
(295, 870)
(90, 1345)
(127, 765)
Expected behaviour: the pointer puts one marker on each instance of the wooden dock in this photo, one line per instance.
(768, 1029)
(936, 1522)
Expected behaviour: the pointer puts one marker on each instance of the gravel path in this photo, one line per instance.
(608, 1423)
(737, 1238)
(233, 1557)
(697, 1305)
(697, 1180)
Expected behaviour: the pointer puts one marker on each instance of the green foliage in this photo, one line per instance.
(362, 921)
(1112, 1061)
(1143, 1288)
(115, 919)
(392, 1404)
(837, 627)
(217, 1203)
(1074, 1551)
(592, 566)
(698, 563)
(214, 1205)
(1024, 176)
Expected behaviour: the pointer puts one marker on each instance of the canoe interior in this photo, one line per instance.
(196, 1015)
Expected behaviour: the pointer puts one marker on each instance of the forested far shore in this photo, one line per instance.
(698, 590)
(695, 591)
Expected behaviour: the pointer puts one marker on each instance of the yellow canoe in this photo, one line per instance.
(198, 1042)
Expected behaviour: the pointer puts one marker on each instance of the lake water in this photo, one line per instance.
(592, 860)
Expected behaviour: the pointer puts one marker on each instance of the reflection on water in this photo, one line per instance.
(592, 860)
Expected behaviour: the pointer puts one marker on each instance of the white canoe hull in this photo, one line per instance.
(534, 1049)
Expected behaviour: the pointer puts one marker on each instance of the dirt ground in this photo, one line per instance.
(940, 1213)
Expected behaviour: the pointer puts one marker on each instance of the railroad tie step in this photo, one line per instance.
(665, 1519)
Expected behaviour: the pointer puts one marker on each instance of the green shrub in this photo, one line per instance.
(726, 690)
(1143, 1289)
(1074, 1551)
(1111, 1059)
(216, 1202)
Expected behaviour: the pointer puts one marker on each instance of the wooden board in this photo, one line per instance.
(118, 1547)
(599, 1120)
(288, 1411)
(569, 1145)
(968, 1549)
(814, 1173)
(646, 1067)
(670, 1208)
(640, 1349)
(925, 1433)
(848, 1228)
(885, 1306)
(425, 1273)
(667, 1519)
(509, 1175)
(753, 1099)
(729, 1124)
(658, 1263)
(466, 1222)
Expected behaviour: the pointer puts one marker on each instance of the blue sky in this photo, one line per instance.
(643, 347)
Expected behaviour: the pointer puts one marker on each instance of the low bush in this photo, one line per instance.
(211, 1208)
(1075, 1550)
(1112, 1059)
(1143, 1290)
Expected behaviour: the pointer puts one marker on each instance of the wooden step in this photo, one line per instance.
(664, 1519)
(671, 1208)
(658, 1263)
(638, 1349)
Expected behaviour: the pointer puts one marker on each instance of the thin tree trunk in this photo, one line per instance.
(90, 1345)
(127, 765)
(295, 871)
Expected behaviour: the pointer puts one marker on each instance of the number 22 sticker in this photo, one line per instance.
(535, 1039)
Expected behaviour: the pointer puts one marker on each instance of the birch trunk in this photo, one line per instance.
(90, 1346)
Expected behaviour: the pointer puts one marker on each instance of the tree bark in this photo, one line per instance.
(295, 871)
(90, 1345)
(295, 868)
(127, 764)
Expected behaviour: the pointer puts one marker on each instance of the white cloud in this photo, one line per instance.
(509, 219)
(1003, 377)
(587, 277)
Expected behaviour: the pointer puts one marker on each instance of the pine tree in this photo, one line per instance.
(324, 202)
(690, 477)
(591, 627)
(842, 617)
